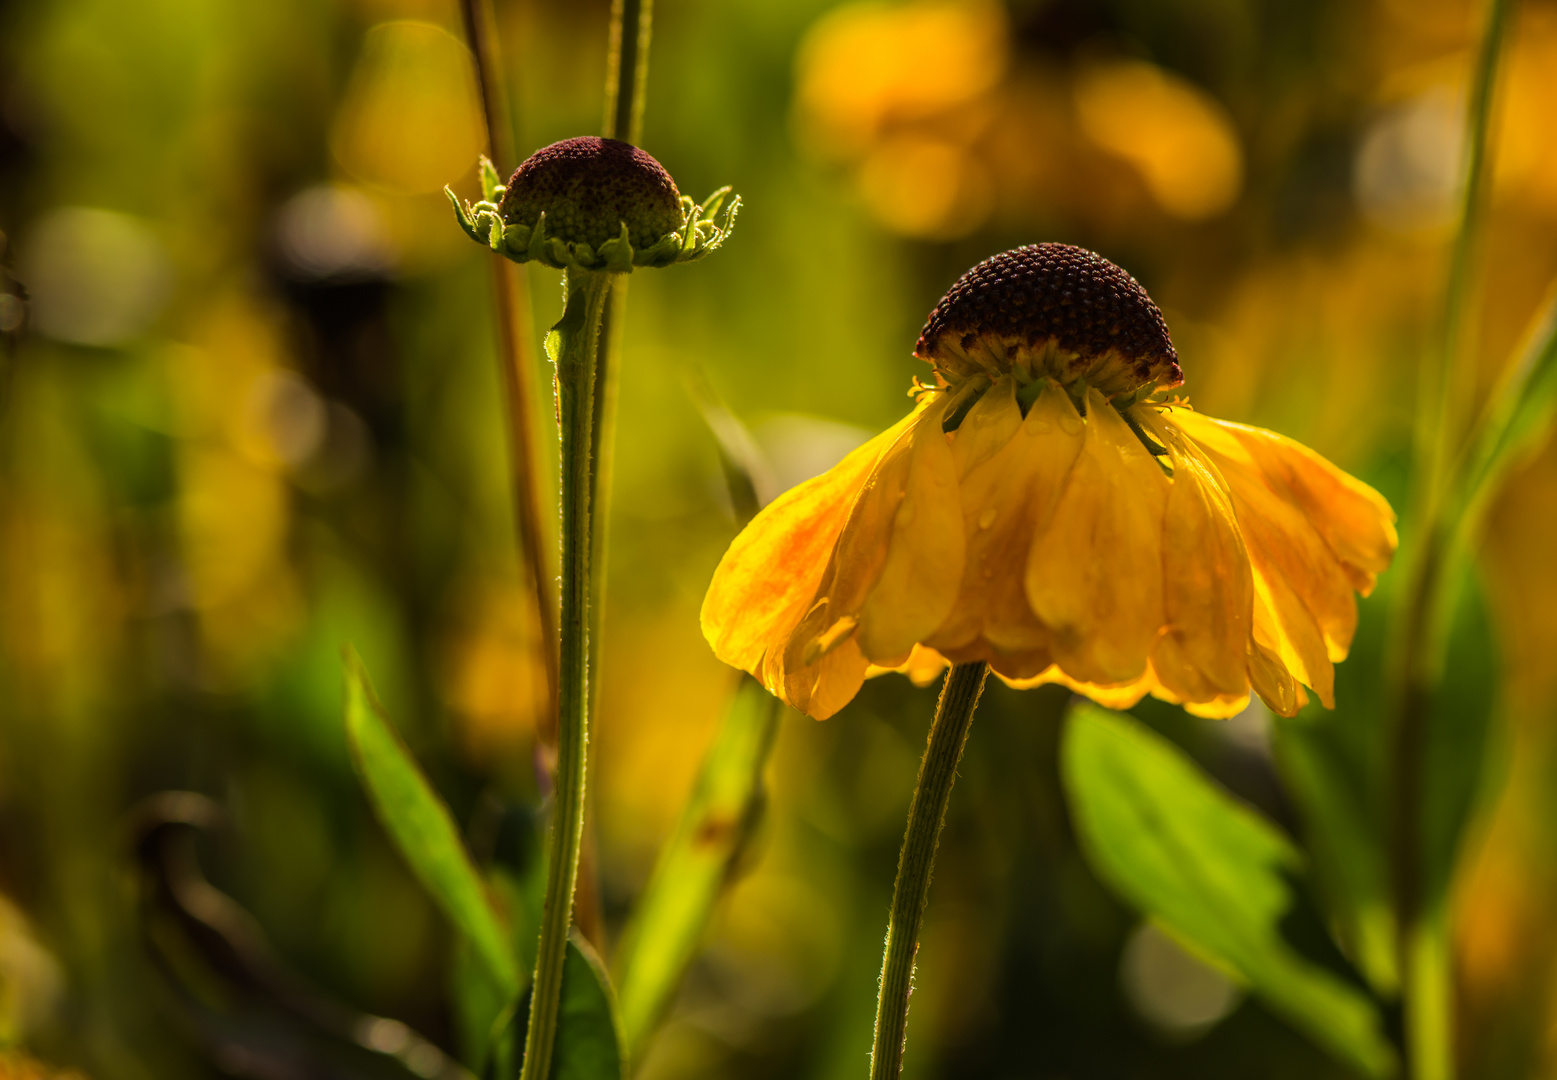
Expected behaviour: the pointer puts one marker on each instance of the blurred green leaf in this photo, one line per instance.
(1459, 721)
(1517, 418)
(1211, 870)
(589, 1029)
(1332, 764)
(422, 828)
(695, 863)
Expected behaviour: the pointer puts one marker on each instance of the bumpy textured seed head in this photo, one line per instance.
(1055, 293)
(588, 186)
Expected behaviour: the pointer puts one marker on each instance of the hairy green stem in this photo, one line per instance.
(574, 344)
(926, 815)
(1421, 618)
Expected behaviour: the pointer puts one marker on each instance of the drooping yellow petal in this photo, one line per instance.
(917, 585)
(1207, 587)
(768, 578)
(1355, 520)
(1094, 574)
(1007, 495)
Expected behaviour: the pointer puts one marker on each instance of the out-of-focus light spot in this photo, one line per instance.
(779, 942)
(866, 65)
(1406, 171)
(1177, 993)
(284, 419)
(332, 233)
(1526, 145)
(925, 187)
(800, 447)
(385, 1036)
(491, 674)
(411, 118)
(30, 978)
(1250, 730)
(13, 312)
(96, 277)
(1177, 136)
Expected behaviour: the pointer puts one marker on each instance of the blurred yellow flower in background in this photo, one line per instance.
(1047, 510)
(1177, 136)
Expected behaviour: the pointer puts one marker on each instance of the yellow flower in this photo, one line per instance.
(1046, 508)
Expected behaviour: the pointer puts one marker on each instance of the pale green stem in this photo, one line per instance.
(926, 815)
(1421, 621)
(575, 347)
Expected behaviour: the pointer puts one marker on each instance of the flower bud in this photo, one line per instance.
(588, 188)
(1051, 310)
(594, 204)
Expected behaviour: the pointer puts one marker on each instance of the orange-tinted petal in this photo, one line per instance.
(1284, 546)
(768, 578)
(1015, 469)
(1354, 520)
(917, 584)
(1207, 587)
(1094, 575)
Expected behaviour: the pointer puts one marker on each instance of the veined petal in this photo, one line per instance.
(917, 584)
(1300, 568)
(1354, 520)
(1285, 629)
(1008, 494)
(769, 577)
(1207, 587)
(1094, 575)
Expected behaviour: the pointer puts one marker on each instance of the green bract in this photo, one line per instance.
(594, 204)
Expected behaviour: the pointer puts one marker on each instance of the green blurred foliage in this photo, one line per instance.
(254, 414)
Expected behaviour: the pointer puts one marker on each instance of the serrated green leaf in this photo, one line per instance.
(695, 863)
(422, 828)
(1211, 870)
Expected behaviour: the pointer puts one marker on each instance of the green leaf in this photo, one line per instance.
(695, 863)
(422, 828)
(1518, 417)
(1332, 764)
(1211, 870)
(589, 1030)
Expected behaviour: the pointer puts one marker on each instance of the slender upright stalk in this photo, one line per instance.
(926, 815)
(1421, 619)
(511, 292)
(576, 349)
(626, 76)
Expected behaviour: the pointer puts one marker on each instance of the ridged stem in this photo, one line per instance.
(926, 815)
(576, 348)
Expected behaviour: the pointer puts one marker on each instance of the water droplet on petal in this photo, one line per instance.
(987, 518)
(905, 514)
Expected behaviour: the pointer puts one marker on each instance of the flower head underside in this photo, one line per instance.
(1045, 509)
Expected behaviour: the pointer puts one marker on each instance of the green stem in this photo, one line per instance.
(574, 344)
(926, 815)
(627, 69)
(1416, 657)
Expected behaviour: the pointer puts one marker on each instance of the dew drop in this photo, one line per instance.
(905, 514)
(987, 518)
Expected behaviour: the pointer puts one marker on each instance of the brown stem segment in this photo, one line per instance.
(515, 361)
(926, 815)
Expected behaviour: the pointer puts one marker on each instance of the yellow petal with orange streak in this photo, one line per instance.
(1094, 574)
(768, 578)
